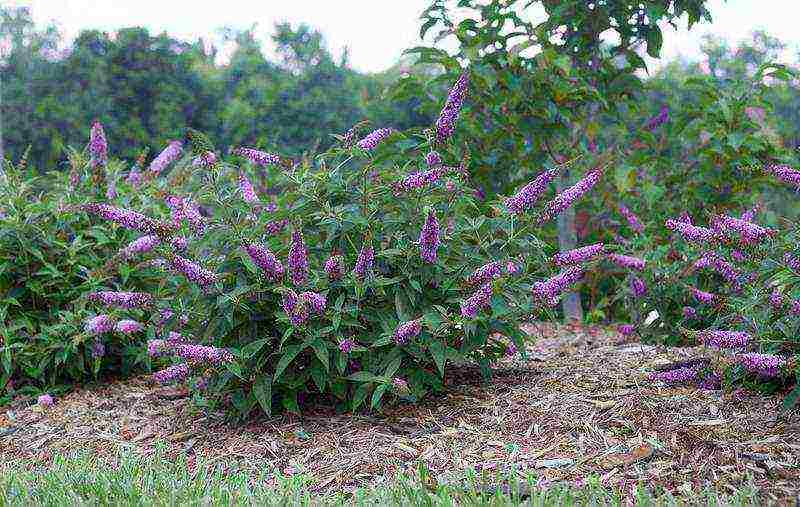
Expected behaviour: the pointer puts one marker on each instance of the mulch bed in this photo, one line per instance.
(580, 405)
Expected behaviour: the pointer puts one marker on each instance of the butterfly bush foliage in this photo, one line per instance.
(365, 271)
(733, 286)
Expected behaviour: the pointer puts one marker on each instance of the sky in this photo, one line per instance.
(375, 31)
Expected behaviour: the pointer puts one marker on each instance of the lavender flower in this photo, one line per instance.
(776, 299)
(738, 256)
(511, 268)
(718, 264)
(346, 345)
(258, 157)
(99, 325)
(45, 400)
(710, 382)
(763, 365)
(98, 146)
(179, 243)
(633, 220)
(785, 174)
(111, 191)
(676, 376)
(433, 159)
(193, 271)
(316, 302)
(626, 329)
(528, 194)
(429, 238)
(690, 232)
(748, 232)
(407, 330)
(98, 349)
(638, 288)
(485, 273)
(295, 308)
(478, 301)
(127, 326)
(724, 339)
(703, 297)
(247, 190)
(157, 348)
(568, 197)
(298, 259)
(791, 261)
(183, 209)
(549, 290)
(445, 124)
(626, 261)
(374, 138)
(333, 267)
(579, 255)
(511, 349)
(123, 217)
(689, 312)
(176, 373)
(168, 155)
(418, 180)
(127, 300)
(364, 261)
(134, 177)
(794, 307)
(139, 246)
(206, 159)
(657, 120)
(276, 226)
(266, 261)
(202, 354)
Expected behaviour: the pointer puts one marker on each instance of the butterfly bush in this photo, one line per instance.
(360, 281)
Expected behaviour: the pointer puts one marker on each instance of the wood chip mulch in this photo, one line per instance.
(580, 405)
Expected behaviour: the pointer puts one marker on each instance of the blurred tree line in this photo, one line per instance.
(146, 89)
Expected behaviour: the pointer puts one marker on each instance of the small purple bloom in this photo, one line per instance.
(298, 259)
(677, 376)
(168, 155)
(748, 232)
(690, 232)
(429, 238)
(139, 246)
(486, 273)
(202, 354)
(407, 330)
(364, 261)
(633, 220)
(371, 141)
(127, 326)
(176, 373)
(785, 174)
(246, 189)
(568, 197)
(258, 157)
(316, 302)
(689, 312)
(126, 300)
(98, 146)
(98, 349)
(45, 400)
(658, 120)
(626, 329)
(99, 325)
(549, 290)
(706, 298)
(433, 159)
(270, 266)
(579, 255)
(627, 261)
(123, 217)
(763, 365)
(445, 124)
(478, 301)
(193, 271)
(724, 339)
(334, 267)
(638, 288)
(295, 308)
(346, 345)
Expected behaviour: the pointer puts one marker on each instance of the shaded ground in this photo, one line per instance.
(579, 406)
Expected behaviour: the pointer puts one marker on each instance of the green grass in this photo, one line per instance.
(83, 480)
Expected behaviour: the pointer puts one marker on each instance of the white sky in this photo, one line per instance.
(376, 31)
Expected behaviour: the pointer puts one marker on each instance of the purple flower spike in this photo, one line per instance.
(676, 376)
(334, 267)
(691, 232)
(298, 259)
(98, 146)
(627, 261)
(549, 290)
(127, 326)
(246, 188)
(98, 349)
(99, 325)
(568, 197)
(126, 218)
(724, 339)
(167, 156)
(429, 239)
(202, 354)
(478, 301)
(638, 288)
(45, 400)
(763, 365)
(176, 373)
(486, 273)
(527, 195)
(748, 232)
(193, 271)
(364, 261)
(433, 159)
(579, 255)
(626, 329)
(346, 345)
(126, 300)
(316, 302)
(258, 157)
(689, 312)
(295, 309)
(658, 120)
(407, 330)
(633, 220)
(270, 266)
(139, 246)
(785, 174)
(374, 138)
(706, 298)
(445, 124)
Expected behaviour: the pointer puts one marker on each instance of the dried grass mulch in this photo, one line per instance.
(580, 405)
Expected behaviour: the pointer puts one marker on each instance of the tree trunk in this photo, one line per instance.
(567, 240)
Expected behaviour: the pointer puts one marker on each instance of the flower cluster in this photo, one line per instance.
(202, 354)
(374, 138)
(298, 259)
(677, 375)
(257, 157)
(703, 297)
(270, 266)
(168, 155)
(205, 159)
(445, 124)
(690, 232)
(638, 288)
(364, 261)
(566, 198)
(724, 339)
(549, 290)
(184, 209)
(528, 194)
(429, 238)
(176, 373)
(763, 365)
(346, 345)
(688, 312)
(139, 246)
(97, 349)
(295, 308)
(433, 159)
(99, 325)
(126, 218)
(626, 261)
(246, 188)
(785, 174)
(478, 301)
(658, 120)
(125, 300)
(128, 326)
(316, 302)
(579, 255)
(98, 146)
(633, 220)
(334, 267)
(276, 226)
(486, 273)
(407, 330)
(418, 180)
(748, 232)
(193, 271)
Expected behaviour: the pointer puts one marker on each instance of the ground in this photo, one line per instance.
(579, 406)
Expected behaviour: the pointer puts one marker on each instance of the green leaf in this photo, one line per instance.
(360, 395)
(378, 394)
(252, 348)
(319, 376)
(362, 376)
(438, 352)
(654, 41)
(321, 351)
(791, 399)
(262, 389)
(287, 357)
